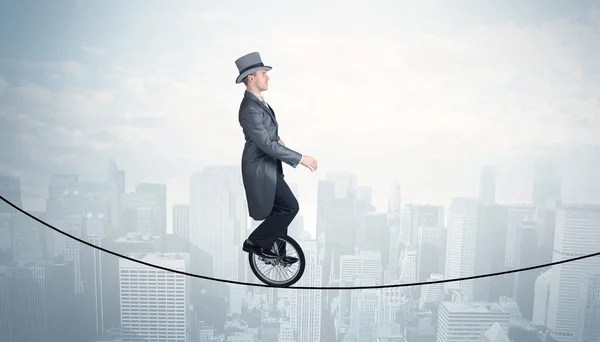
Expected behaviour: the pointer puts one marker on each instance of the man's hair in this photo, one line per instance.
(245, 80)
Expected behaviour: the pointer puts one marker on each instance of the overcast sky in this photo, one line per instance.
(425, 94)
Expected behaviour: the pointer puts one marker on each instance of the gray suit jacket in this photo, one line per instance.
(262, 155)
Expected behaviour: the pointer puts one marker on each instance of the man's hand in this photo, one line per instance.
(281, 142)
(309, 162)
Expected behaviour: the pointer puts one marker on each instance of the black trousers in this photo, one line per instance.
(285, 208)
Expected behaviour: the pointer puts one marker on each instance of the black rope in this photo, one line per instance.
(301, 287)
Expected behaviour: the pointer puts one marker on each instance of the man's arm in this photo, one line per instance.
(251, 122)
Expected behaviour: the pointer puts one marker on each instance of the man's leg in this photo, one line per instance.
(285, 208)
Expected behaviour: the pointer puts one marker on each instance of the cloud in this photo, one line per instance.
(3, 85)
(57, 129)
(75, 129)
(390, 98)
(135, 135)
(212, 18)
(72, 68)
(94, 50)
(487, 89)
(65, 107)
(67, 68)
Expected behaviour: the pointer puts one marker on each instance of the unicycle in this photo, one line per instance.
(276, 272)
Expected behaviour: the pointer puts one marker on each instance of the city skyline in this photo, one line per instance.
(573, 190)
(453, 139)
(65, 190)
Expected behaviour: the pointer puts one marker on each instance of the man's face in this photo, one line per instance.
(261, 80)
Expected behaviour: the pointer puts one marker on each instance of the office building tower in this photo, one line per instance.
(153, 301)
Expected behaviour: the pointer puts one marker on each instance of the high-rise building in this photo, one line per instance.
(517, 213)
(431, 251)
(218, 218)
(181, 221)
(431, 293)
(160, 193)
(140, 212)
(547, 184)
(345, 184)
(588, 299)
(64, 200)
(10, 188)
(108, 194)
(325, 192)
(37, 299)
(395, 201)
(418, 216)
(308, 302)
(527, 255)
(363, 312)
(577, 228)
(408, 263)
(540, 299)
(154, 302)
(469, 321)
(341, 223)
(116, 176)
(490, 251)
(219, 222)
(461, 243)
(28, 237)
(296, 227)
(6, 232)
(364, 265)
(372, 234)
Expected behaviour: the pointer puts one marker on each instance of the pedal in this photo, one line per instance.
(266, 261)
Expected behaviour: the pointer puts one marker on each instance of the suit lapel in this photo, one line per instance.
(268, 109)
(272, 111)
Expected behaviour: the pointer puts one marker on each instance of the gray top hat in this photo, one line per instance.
(249, 64)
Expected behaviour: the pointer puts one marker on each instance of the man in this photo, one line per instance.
(268, 195)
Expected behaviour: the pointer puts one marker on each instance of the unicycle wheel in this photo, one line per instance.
(276, 272)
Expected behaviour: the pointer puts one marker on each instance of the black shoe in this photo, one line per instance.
(285, 258)
(289, 260)
(250, 247)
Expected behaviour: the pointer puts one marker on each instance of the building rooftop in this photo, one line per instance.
(473, 307)
(157, 256)
(580, 207)
(496, 333)
(138, 237)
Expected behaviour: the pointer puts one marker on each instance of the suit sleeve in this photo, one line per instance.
(253, 126)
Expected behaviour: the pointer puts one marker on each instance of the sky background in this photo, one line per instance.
(422, 92)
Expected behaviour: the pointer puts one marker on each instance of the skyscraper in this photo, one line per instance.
(160, 191)
(547, 185)
(577, 229)
(468, 321)
(461, 242)
(153, 301)
(181, 221)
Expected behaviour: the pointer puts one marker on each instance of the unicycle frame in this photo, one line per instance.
(301, 264)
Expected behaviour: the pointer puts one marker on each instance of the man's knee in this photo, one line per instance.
(294, 207)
